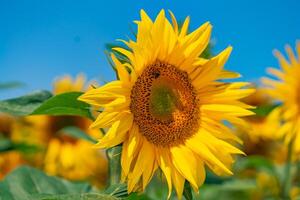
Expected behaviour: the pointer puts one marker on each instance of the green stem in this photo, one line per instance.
(114, 156)
(287, 173)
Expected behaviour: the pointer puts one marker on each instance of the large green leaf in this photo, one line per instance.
(64, 104)
(24, 105)
(26, 183)
(85, 196)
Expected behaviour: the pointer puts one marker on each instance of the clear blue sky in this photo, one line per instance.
(40, 40)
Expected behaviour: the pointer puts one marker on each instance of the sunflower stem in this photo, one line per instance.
(114, 156)
(187, 191)
(287, 173)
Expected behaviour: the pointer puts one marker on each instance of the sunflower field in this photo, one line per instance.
(175, 122)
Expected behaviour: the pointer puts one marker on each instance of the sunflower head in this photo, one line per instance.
(285, 88)
(168, 105)
(164, 102)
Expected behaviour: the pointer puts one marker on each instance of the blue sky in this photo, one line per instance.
(40, 40)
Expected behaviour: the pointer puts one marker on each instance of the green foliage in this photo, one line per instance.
(187, 191)
(24, 105)
(264, 110)
(77, 133)
(11, 85)
(258, 163)
(84, 196)
(43, 103)
(64, 104)
(25, 183)
(117, 190)
(8, 145)
(230, 190)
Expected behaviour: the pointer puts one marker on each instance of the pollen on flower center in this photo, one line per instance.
(164, 105)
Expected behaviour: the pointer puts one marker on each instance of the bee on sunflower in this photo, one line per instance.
(168, 105)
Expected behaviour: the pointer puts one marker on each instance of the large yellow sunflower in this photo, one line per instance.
(286, 89)
(167, 106)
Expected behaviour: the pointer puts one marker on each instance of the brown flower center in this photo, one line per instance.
(164, 105)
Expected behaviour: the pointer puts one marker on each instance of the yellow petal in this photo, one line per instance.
(164, 162)
(178, 182)
(230, 110)
(117, 133)
(197, 145)
(185, 162)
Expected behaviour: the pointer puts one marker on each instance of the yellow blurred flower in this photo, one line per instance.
(294, 193)
(64, 156)
(262, 127)
(267, 186)
(260, 133)
(67, 84)
(286, 89)
(8, 159)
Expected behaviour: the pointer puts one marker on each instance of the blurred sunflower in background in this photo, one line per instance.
(168, 106)
(260, 133)
(286, 90)
(61, 154)
(68, 157)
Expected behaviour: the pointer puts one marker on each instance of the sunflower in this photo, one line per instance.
(286, 89)
(261, 127)
(168, 105)
(260, 133)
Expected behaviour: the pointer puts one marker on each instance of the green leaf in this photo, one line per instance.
(85, 196)
(24, 105)
(187, 191)
(264, 110)
(77, 133)
(5, 144)
(8, 145)
(136, 196)
(259, 163)
(11, 85)
(26, 183)
(117, 190)
(64, 104)
(230, 190)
